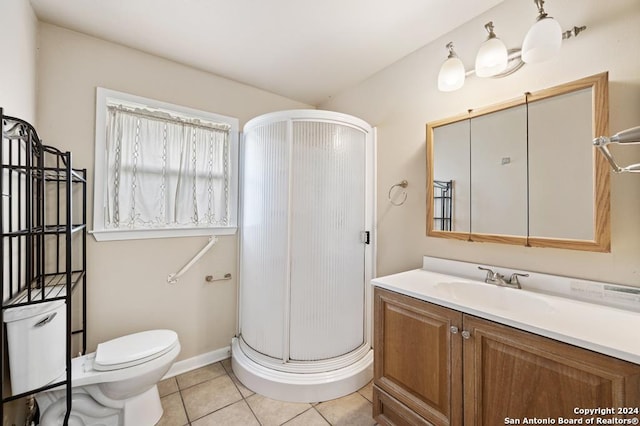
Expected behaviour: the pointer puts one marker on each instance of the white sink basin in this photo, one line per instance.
(492, 296)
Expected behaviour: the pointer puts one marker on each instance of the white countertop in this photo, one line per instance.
(608, 330)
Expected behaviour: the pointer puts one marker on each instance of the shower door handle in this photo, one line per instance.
(365, 237)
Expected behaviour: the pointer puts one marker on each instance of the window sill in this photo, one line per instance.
(143, 234)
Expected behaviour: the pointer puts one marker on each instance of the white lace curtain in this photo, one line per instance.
(165, 171)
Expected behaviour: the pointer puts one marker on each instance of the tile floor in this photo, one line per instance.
(212, 395)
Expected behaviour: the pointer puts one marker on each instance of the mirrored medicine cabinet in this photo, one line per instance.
(524, 171)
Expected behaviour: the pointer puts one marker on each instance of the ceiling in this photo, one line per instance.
(307, 50)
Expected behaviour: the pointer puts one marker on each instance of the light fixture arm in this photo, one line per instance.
(452, 53)
(573, 32)
(541, 13)
(628, 136)
(489, 27)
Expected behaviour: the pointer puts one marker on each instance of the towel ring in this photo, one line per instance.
(402, 185)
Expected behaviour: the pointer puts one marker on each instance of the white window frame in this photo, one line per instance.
(100, 233)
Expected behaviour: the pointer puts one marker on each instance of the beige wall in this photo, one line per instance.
(18, 32)
(128, 291)
(402, 98)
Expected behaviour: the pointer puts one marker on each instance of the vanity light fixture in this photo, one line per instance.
(629, 136)
(452, 74)
(492, 56)
(544, 38)
(542, 42)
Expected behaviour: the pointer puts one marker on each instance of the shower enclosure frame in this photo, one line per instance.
(317, 380)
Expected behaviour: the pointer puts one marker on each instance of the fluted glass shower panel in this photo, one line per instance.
(264, 237)
(327, 253)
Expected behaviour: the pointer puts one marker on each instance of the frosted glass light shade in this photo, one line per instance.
(451, 76)
(491, 58)
(542, 41)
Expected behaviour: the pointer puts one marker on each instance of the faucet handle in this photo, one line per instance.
(490, 274)
(513, 279)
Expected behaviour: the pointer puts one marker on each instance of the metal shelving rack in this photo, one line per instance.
(443, 199)
(43, 235)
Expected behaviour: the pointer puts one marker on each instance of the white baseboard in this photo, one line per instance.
(198, 361)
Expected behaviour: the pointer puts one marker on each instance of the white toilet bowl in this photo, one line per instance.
(116, 385)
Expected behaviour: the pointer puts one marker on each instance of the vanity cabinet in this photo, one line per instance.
(438, 366)
(416, 360)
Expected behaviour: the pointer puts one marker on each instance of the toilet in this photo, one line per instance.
(114, 386)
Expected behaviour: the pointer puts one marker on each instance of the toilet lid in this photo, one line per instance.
(134, 349)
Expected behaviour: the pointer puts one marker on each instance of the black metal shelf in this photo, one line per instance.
(443, 204)
(47, 230)
(43, 247)
(49, 174)
(54, 285)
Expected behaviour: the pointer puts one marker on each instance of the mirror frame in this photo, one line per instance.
(601, 191)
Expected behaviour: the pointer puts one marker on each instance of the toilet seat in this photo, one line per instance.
(134, 349)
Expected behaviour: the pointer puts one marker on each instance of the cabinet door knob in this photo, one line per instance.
(466, 334)
(453, 329)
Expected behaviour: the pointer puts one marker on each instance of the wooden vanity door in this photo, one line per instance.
(418, 360)
(512, 374)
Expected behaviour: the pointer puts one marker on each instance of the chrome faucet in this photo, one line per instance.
(493, 277)
(499, 279)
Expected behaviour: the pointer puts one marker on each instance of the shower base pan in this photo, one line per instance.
(298, 385)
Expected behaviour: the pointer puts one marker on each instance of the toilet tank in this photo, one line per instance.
(36, 339)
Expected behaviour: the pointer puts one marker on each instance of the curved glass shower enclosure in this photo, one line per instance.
(306, 255)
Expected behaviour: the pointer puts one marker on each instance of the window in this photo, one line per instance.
(162, 170)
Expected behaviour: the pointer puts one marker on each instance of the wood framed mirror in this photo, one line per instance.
(524, 171)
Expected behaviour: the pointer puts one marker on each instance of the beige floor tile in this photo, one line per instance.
(367, 391)
(238, 414)
(271, 412)
(209, 396)
(226, 363)
(174, 414)
(167, 387)
(200, 375)
(246, 392)
(353, 409)
(309, 418)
